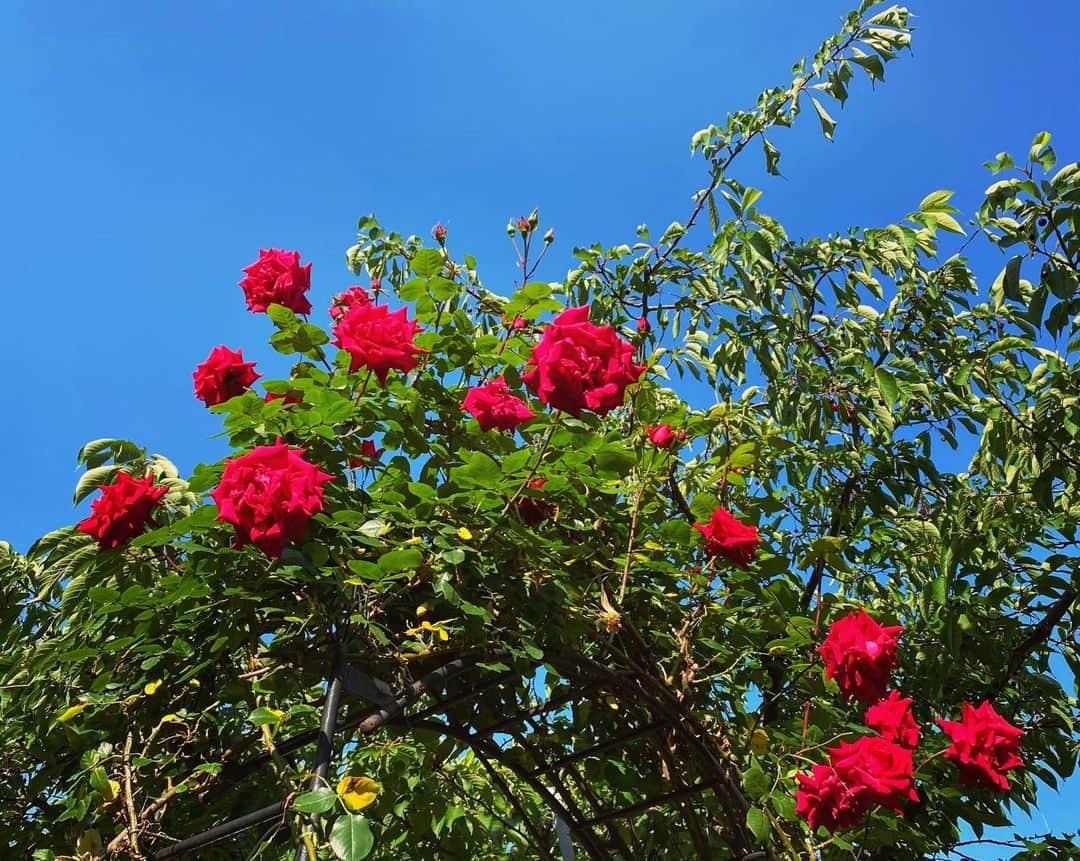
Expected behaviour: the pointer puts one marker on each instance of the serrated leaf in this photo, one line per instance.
(426, 262)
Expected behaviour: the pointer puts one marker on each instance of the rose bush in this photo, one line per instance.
(163, 669)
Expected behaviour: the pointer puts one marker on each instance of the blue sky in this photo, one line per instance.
(152, 148)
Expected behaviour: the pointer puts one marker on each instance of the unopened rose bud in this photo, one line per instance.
(376, 286)
(643, 326)
(439, 232)
(549, 237)
(511, 227)
(519, 323)
(534, 219)
(523, 225)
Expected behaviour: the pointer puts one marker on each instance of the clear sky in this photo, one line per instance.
(150, 150)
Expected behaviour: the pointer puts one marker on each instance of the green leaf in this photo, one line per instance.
(263, 715)
(351, 837)
(886, 384)
(828, 124)
(92, 479)
(480, 470)
(756, 782)
(758, 823)
(427, 262)
(317, 801)
(401, 560)
(772, 157)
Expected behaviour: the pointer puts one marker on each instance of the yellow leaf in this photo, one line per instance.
(423, 610)
(72, 712)
(358, 792)
(412, 542)
(195, 683)
(432, 627)
(464, 534)
(90, 843)
(170, 718)
(111, 790)
(152, 687)
(759, 742)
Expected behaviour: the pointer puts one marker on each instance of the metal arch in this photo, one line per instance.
(659, 718)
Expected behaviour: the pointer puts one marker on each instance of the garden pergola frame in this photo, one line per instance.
(692, 761)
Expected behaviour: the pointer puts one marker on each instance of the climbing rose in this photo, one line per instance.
(378, 339)
(578, 365)
(662, 436)
(368, 455)
(494, 406)
(870, 771)
(341, 303)
(277, 278)
(880, 769)
(728, 537)
(824, 800)
(269, 495)
(984, 746)
(860, 654)
(121, 512)
(223, 375)
(535, 511)
(893, 720)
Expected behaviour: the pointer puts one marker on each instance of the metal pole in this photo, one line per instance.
(324, 745)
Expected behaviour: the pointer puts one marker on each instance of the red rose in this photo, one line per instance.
(532, 510)
(870, 771)
(662, 436)
(223, 375)
(523, 224)
(269, 495)
(725, 536)
(121, 512)
(579, 366)
(378, 340)
(277, 278)
(860, 654)
(823, 799)
(880, 769)
(344, 301)
(494, 406)
(439, 232)
(643, 326)
(290, 397)
(984, 746)
(368, 455)
(893, 720)
(519, 323)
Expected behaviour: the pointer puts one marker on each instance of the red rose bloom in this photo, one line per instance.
(269, 495)
(344, 301)
(860, 654)
(534, 511)
(984, 746)
(579, 366)
(223, 375)
(728, 537)
(880, 769)
(121, 512)
(494, 406)
(893, 720)
(277, 278)
(823, 799)
(870, 771)
(662, 436)
(368, 455)
(378, 340)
